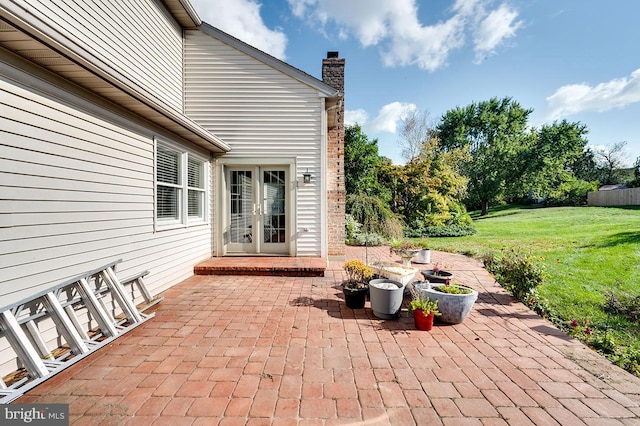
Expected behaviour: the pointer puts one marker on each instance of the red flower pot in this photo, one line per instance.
(423, 322)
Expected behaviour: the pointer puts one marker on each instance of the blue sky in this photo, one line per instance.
(573, 59)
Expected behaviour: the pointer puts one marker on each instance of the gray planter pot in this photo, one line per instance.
(453, 307)
(386, 298)
(422, 256)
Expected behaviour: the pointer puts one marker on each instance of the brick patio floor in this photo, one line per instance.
(235, 350)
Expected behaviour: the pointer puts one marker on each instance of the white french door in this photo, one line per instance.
(258, 217)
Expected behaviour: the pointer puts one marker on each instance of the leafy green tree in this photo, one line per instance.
(494, 131)
(636, 174)
(367, 199)
(427, 190)
(362, 163)
(585, 167)
(548, 159)
(374, 215)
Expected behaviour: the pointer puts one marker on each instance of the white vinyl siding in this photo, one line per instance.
(76, 193)
(135, 41)
(261, 113)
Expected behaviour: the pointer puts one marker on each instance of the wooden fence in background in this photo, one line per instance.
(615, 197)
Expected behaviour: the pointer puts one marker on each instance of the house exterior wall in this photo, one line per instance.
(77, 191)
(260, 112)
(135, 41)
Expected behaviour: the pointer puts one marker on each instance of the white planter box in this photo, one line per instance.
(395, 271)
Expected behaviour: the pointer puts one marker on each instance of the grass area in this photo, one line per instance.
(588, 253)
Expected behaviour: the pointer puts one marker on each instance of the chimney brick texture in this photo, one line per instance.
(333, 75)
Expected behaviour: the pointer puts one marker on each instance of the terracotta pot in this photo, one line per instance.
(421, 322)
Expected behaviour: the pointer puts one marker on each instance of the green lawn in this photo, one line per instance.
(587, 252)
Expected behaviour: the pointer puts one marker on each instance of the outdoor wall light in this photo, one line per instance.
(306, 177)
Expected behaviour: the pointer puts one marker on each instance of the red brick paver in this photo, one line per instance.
(287, 351)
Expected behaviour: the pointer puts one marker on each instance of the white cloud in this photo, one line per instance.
(575, 98)
(494, 29)
(389, 115)
(394, 26)
(386, 120)
(356, 116)
(241, 18)
(467, 7)
(299, 7)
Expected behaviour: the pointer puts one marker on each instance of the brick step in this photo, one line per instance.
(264, 266)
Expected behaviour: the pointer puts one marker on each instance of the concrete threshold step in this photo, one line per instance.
(264, 266)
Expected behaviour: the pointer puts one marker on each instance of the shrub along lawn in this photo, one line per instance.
(588, 253)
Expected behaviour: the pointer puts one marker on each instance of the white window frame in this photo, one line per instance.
(183, 220)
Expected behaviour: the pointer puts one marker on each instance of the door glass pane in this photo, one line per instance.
(274, 218)
(241, 206)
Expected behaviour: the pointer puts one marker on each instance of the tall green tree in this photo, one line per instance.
(367, 199)
(585, 166)
(362, 164)
(426, 191)
(494, 131)
(550, 158)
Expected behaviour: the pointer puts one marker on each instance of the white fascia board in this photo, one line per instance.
(183, 12)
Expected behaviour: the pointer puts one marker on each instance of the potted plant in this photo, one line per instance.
(423, 255)
(386, 297)
(406, 249)
(424, 310)
(356, 286)
(455, 301)
(437, 275)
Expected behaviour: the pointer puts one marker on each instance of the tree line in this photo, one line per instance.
(474, 157)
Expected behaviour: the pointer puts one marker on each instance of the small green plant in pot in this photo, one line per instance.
(455, 301)
(406, 249)
(356, 286)
(453, 289)
(424, 310)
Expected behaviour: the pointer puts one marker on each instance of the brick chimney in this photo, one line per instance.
(333, 75)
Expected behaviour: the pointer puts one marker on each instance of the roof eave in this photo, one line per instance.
(183, 12)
